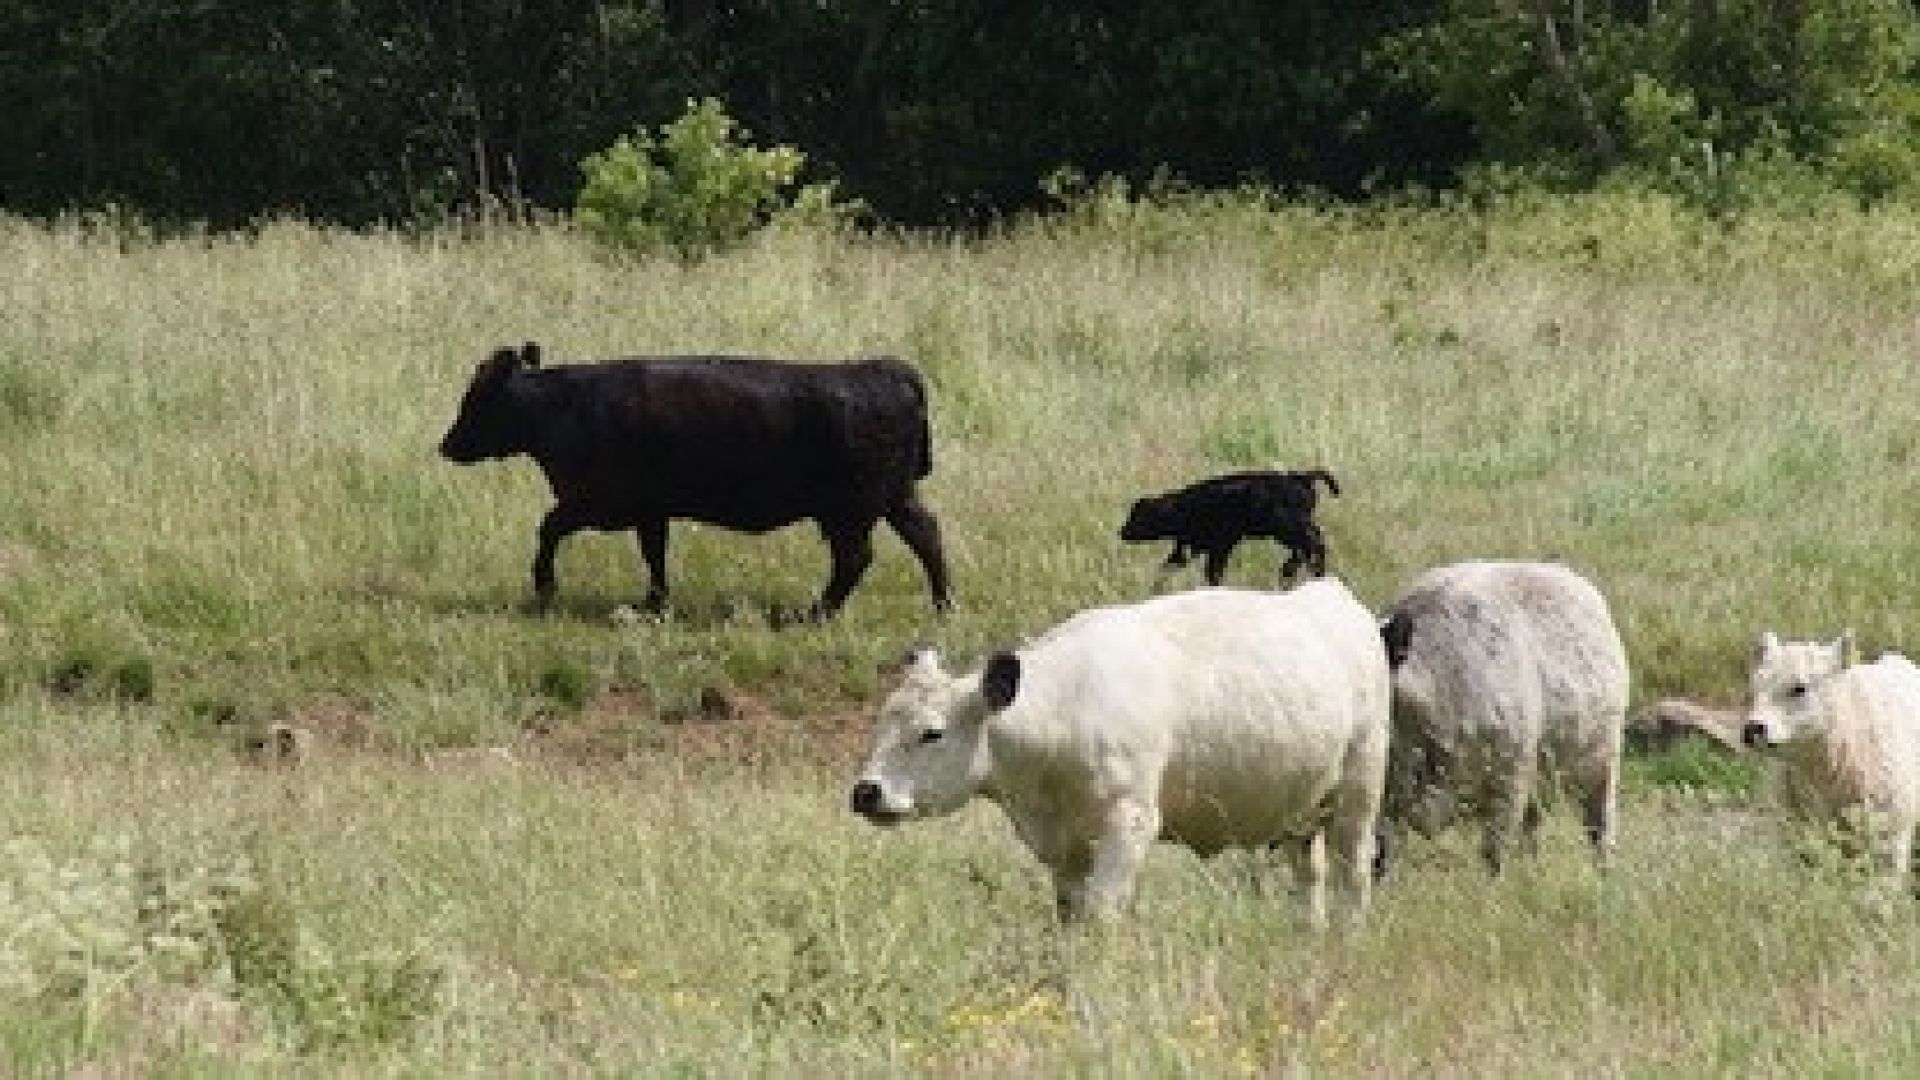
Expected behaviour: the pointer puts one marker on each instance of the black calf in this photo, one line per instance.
(1212, 517)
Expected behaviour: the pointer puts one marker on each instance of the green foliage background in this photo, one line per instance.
(225, 111)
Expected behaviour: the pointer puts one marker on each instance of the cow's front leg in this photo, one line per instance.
(560, 523)
(652, 534)
(1216, 564)
(1127, 833)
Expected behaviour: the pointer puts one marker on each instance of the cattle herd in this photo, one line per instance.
(1295, 719)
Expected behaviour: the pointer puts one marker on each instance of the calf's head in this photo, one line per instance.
(930, 750)
(1792, 688)
(491, 423)
(1149, 519)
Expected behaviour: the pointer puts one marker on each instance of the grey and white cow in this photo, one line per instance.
(1214, 719)
(1503, 670)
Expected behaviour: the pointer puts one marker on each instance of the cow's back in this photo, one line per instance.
(1540, 634)
(741, 441)
(1881, 711)
(1583, 667)
(1245, 709)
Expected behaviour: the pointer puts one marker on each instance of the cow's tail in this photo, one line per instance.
(1324, 477)
(918, 384)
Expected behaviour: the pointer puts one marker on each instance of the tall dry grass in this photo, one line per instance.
(219, 508)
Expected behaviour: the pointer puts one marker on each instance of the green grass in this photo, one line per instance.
(220, 508)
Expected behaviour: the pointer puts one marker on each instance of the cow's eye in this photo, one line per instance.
(1797, 690)
(932, 735)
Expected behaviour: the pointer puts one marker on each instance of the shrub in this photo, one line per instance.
(93, 671)
(101, 926)
(696, 188)
(1693, 766)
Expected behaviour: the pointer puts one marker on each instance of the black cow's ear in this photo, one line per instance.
(497, 366)
(1000, 682)
(530, 355)
(1397, 635)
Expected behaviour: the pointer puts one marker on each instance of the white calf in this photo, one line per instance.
(1850, 736)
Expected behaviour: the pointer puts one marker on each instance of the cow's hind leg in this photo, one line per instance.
(652, 535)
(850, 546)
(1599, 798)
(921, 530)
(1509, 792)
(559, 524)
(1310, 876)
(1353, 828)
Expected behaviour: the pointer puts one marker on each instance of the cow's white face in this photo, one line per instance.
(929, 752)
(1791, 685)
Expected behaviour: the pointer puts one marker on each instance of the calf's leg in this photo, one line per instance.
(1216, 565)
(1178, 557)
(1306, 548)
(916, 525)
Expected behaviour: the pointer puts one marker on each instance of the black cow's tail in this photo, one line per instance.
(1324, 477)
(918, 383)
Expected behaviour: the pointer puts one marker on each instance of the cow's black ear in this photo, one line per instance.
(1000, 682)
(1397, 635)
(498, 365)
(530, 355)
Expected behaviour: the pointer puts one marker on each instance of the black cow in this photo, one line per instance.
(1214, 515)
(741, 442)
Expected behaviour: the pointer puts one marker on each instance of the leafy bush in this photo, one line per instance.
(1694, 766)
(98, 925)
(1731, 106)
(696, 188)
(99, 672)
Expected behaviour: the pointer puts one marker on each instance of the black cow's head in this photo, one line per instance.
(490, 424)
(1149, 519)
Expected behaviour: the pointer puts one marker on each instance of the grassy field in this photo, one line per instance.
(220, 509)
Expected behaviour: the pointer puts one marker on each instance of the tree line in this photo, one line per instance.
(403, 110)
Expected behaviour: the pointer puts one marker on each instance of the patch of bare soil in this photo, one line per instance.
(612, 727)
(333, 719)
(724, 727)
(17, 559)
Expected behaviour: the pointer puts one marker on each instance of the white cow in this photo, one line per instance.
(1213, 719)
(1501, 669)
(1850, 736)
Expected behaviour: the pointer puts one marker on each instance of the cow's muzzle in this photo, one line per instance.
(456, 453)
(869, 802)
